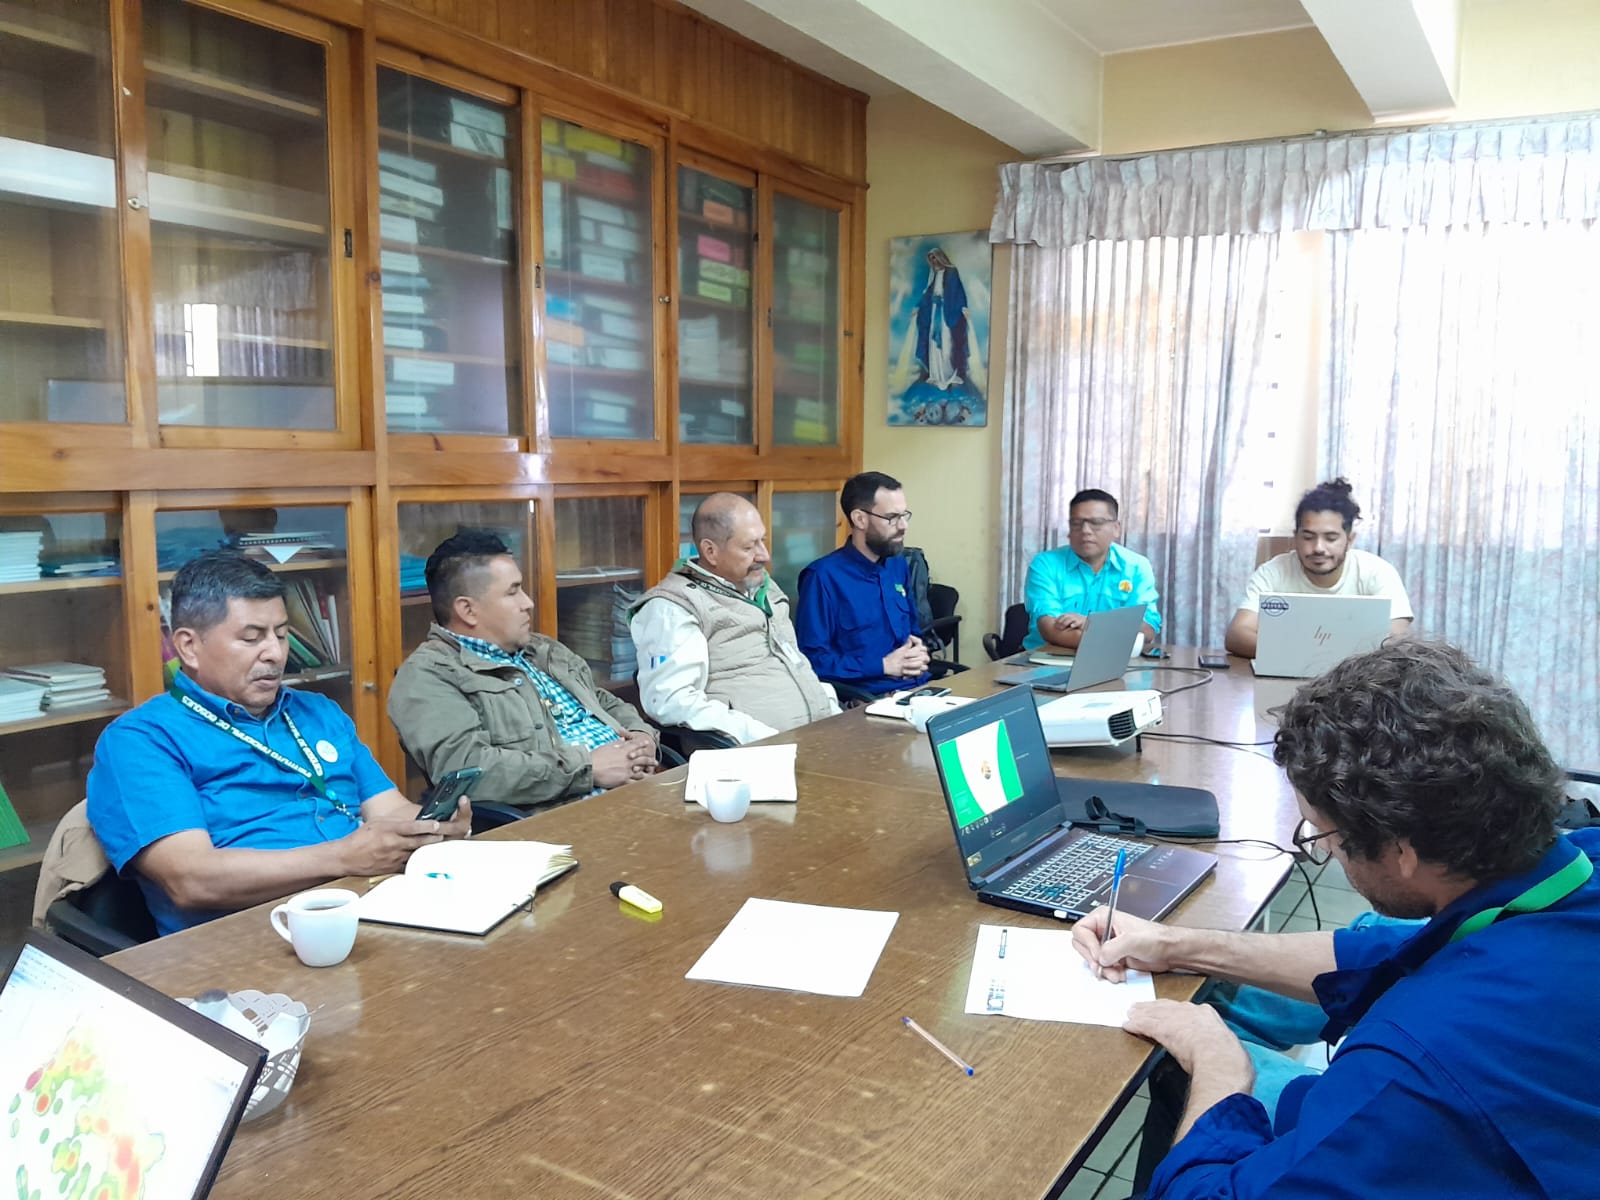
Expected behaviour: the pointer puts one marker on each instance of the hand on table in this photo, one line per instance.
(1194, 1034)
(624, 760)
(1067, 622)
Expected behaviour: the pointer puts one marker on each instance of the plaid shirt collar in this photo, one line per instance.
(492, 652)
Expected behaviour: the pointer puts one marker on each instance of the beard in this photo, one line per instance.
(887, 546)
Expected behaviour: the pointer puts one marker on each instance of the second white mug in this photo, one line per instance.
(320, 925)
(727, 799)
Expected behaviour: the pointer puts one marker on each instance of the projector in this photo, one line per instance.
(1099, 718)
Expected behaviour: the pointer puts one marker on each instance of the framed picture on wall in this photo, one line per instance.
(939, 291)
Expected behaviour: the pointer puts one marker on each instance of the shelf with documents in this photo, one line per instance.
(448, 255)
(169, 84)
(66, 584)
(435, 146)
(65, 716)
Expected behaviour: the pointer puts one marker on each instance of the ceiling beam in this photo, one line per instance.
(1401, 55)
(1006, 67)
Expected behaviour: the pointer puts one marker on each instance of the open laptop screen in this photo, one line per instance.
(994, 767)
(109, 1087)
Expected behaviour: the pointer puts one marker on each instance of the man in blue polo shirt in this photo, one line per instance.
(1468, 1061)
(1088, 575)
(231, 789)
(857, 619)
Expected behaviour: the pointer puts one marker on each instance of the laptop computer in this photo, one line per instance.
(108, 1079)
(1102, 654)
(1015, 835)
(1300, 635)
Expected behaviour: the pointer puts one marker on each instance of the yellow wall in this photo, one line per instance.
(1524, 57)
(928, 172)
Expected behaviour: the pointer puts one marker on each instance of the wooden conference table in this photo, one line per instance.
(565, 1054)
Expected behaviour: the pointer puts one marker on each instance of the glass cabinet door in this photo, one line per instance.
(306, 547)
(599, 284)
(716, 315)
(240, 220)
(687, 503)
(61, 355)
(424, 525)
(63, 666)
(599, 573)
(447, 166)
(805, 322)
(805, 526)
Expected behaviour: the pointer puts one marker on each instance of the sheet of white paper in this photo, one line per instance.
(797, 947)
(769, 770)
(284, 552)
(1042, 978)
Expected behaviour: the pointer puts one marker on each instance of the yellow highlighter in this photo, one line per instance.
(637, 897)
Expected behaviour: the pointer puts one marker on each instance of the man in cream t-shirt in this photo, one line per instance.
(1323, 562)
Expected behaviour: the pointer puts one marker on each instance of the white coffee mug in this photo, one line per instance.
(727, 799)
(320, 925)
(923, 708)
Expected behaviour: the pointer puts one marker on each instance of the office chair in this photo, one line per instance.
(108, 915)
(1580, 811)
(1012, 632)
(683, 741)
(946, 625)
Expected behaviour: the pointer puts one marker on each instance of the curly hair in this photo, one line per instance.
(1416, 741)
(1333, 495)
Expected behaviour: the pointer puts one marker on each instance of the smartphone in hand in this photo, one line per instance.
(439, 803)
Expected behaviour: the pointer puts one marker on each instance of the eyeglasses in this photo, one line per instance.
(1096, 523)
(1306, 838)
(899, 518)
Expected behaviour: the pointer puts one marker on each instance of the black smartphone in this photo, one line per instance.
(439, 802)
(1216, 660)
(930, 690)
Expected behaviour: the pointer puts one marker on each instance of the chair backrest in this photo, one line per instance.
(1012, 631)
(108, 915)
(942, 599)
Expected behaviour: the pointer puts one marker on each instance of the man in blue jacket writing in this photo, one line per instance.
(1468, 1066)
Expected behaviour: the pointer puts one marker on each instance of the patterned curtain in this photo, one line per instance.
(1133, 366)
(1461, 400)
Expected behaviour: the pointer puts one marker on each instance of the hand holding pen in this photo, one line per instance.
(1140, 945)
(1111, 908)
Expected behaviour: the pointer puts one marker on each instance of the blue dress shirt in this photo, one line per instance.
(162, 769)
(1469, 1069)
(1061, 582)
(852, 614)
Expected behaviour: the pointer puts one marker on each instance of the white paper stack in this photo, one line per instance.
(66, 684)
(19, 556)
(769, 770)
(19, 700)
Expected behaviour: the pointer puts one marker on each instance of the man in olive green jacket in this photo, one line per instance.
(485, 691)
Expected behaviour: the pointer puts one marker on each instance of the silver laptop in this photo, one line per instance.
(1102, 654)
(1014, 831)
(108, 1079)
(1300, 636)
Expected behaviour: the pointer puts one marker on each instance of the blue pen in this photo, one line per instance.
(1111, 908)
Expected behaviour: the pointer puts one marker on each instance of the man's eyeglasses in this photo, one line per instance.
(899, 518)
(1307, 840)
(1096, 523)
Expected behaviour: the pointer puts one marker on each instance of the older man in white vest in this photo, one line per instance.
(717, 647)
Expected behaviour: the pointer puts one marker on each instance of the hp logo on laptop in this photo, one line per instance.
(1275, 605)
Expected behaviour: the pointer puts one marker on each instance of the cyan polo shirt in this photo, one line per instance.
(162, 769)
(1061, 582)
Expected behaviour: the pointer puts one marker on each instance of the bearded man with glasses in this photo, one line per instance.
(1091, 574)
(1468, 1061)
(857, 618)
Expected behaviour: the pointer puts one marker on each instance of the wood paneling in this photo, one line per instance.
(677, 61)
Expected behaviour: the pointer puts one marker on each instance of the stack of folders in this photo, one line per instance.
(64, 684)
(19, 556)
(19, 700)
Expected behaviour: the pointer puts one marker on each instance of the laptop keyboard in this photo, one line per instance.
(1069, 878)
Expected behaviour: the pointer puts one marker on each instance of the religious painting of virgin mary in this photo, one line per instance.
(939, 329)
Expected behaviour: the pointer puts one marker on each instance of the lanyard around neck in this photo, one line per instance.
(1540, 896)
(312, 774)
(717, 584)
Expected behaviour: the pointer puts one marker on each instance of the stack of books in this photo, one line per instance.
(19, 700)
(19, 556)
(65, 684)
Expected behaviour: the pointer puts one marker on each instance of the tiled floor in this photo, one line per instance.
(1108, 1175)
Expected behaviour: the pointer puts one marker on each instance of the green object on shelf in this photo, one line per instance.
(12, 832)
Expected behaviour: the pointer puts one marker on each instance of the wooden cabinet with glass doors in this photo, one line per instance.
(805, 525)
(600, 570)
(716, 306)
(63, 657)
(805, 321)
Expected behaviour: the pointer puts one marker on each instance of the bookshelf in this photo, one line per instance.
(804, 525)
(806, 341)
(198, 318)
(447, 162)
(597, 200)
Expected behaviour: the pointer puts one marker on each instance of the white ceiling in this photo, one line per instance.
(1112, 26)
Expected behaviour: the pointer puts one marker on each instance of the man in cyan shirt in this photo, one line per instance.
(1323, 562)
(1467, 1066)
(231, 789)
(857, 619)
(1091, 574)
